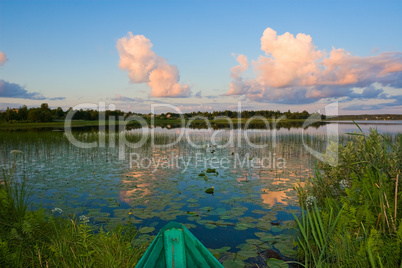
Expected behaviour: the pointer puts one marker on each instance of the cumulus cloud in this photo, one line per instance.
(12, 90)
(238, 86)
(293, 70)
(145, 66)
(3, 58)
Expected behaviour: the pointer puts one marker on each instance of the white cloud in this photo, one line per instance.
(145, 66)
(293, 70)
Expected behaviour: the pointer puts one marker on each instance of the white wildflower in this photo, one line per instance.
(310, 200)
(343, 184)
(84, 218)
(59, 210)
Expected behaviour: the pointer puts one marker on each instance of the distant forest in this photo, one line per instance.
(46, 114)
(369, 117)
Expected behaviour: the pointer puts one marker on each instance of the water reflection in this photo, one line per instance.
(273, 197)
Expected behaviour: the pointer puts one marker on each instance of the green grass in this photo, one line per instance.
(31, 238)
(351, 213)
(157, 121)
(74, 123)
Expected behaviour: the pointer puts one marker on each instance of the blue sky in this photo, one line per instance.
(66, 52)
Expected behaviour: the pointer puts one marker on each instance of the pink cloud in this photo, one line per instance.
(238, 70)
(3, 58)
(289, 61)
(145, 66)
(236, 86)
(293, 70)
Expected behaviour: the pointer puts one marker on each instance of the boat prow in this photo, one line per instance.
(176, 247)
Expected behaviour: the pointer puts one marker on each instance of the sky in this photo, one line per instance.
(203, 55)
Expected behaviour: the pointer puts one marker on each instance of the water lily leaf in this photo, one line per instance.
(210, 226)
(257, 211)
(265, 226)
(286, 249)
(222, 249)
(289, 224)
(145, 230)
(242, 226)
(237, 263)
(276, 228)
(268, 237)
(264, 246)
(153, 224)
(260, 234)
(247, 219)
(190, 225)
(210, 190)
(275, 263)
(247, 253)
(254, 241)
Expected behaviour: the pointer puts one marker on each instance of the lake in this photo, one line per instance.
(163, 177)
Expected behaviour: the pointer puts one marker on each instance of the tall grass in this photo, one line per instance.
(31, 238)
(351, 213)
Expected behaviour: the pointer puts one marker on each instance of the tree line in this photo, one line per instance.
(243, 114)
(46, 114)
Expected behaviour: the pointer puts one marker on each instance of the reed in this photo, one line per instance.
(355, 208)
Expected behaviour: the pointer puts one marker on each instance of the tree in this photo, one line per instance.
(23, 113)
(33, 115)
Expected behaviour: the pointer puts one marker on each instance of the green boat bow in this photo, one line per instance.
(176, 247)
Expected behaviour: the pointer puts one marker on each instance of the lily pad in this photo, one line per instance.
(276, 229)
(223, 249)
(265, 226)
(247, 253)
(210, 226)
(210, 190)
(237, 263)
(145, 230)
(268, 237)
(243, 226)
(275, 263)
(190, 225)
(254, 241)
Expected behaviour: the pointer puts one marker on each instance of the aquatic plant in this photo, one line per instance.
(362, 226)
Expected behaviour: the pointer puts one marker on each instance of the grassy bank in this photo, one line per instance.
(257, 123)
(54, 124)
(39, 239)
(351, 213)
